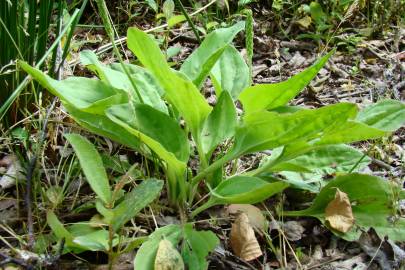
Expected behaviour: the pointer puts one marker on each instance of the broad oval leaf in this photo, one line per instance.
(156, 129)
(181, 92)
(220, 124)
(92, 166)
(242, 190)
(269, 96)
(83, 93)
(197, 246)
(135, 201)
(145, 257)
(104, 126)
(163, 129)
(267, 130)
(326, 159)
(245, 189)
(118, 79)
(230, 73)
(200, 62)
(372, 200)
(387, 115)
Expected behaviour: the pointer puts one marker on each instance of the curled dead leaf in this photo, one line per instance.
(243, 240)
(255, 215)
(339, 212)
(167, 257)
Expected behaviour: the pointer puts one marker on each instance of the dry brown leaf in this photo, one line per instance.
(167, 257)
(255, 215)
(339, 212)
(243, 240)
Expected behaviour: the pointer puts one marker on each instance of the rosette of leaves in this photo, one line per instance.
(173, 120)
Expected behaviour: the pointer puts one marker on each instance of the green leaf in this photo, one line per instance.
(168, 8)
(79, 237)
(155, 134)
(145, 257)
(245, 190)
(373, 205)
(92, 166)
(269, 96)
(197, 245)
(307, 171)
(143, 78)
(123, 115)
(119, 80)
(348, 132)
(135, 201)
(181, 92)
(83, 93)
(103, 126)
(57, 227)
(196, 66)
(175, 20)
(387, 115)
(325, 160)
(267, 130)
(163, 129)
(230, 73)
(95, 241)
(220, 124)
(317, 13)
(242, 190)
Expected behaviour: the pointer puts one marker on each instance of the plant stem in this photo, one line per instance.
(110, 247)
(249, 41)
(102, 7)
(201, 208)
(190, 22)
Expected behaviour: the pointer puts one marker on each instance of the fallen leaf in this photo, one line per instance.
(339, 212)
(255, 215)
(167, 257)
(243, 240)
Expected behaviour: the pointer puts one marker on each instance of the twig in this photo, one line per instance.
(30, 171)
(7, 259)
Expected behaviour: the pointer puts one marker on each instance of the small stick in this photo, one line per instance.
(30, 171)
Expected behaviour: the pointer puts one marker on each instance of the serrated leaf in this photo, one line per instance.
(269, 96)
(92, 166)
